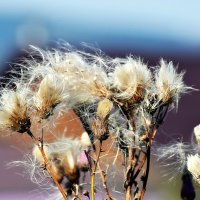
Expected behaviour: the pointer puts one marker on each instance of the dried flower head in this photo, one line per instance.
(193, 165)
(64, 155)
(131, 77)
(169, 83)
(14, 110)
(74, 68)
(51, 92)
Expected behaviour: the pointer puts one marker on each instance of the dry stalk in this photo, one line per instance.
(102, 175)
(135, 168)
(129, 172)
(47, 165)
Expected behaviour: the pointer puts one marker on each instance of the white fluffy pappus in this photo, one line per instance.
(79, 73)
(67, 149)
(173, 158)
(85, 141)
(14, 109)
(31, 169)
(169, 83)
(51, 92)
(67, 62)
(131, 77)
(67, 152)
(63, 156)
(197, 133)
(193, 165)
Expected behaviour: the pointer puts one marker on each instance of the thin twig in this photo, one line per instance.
(104, 181)
(102, 175)
(94, 171)
(129, 172)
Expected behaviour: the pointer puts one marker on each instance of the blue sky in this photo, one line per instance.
(149, 26)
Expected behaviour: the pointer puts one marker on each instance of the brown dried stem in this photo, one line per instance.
(103, 179)
(145, 179)
(129, 172)
(132, 173)
(47, 165)
(102, 175)
(92, 178)
(147, 159)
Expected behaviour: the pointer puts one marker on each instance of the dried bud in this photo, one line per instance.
(104, 108)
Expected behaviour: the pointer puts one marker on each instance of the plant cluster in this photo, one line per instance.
(120, 103)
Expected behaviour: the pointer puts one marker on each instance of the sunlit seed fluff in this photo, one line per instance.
(70, 159)
(193, 165)
(31, 169)
(85, 141)
(169, 83)
(79, 73)
(197, 133)
(14, 109)
(67, 63)
(104, 108)
(173, 157)
(68, 164)
(131, 78)
(67, 150)
(62, 156)
(51, 92)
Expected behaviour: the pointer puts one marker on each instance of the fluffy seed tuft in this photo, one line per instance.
(193, 165)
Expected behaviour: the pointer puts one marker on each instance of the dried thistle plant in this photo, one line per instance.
(120, 102)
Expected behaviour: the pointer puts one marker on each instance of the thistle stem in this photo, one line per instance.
(94, 171)
(104, 181)
(147, 171)
(48, 166)
(102, 175)
(129, 172)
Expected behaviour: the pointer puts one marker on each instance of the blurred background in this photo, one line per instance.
(148, 29)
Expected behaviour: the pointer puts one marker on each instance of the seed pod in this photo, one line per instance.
(104, 108)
